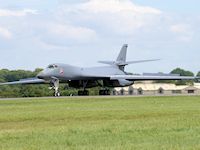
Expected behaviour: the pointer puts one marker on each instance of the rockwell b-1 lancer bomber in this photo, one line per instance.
(112, 75)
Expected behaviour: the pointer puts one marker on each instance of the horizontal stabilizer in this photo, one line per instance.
(121, 59)
(126, 63)
(137, 61)
(107, 62)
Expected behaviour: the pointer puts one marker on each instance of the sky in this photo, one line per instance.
(35, 33)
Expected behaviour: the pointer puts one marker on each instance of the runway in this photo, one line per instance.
(90, 97)
(70, 97)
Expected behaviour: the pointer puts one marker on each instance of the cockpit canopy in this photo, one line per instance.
(52, 66)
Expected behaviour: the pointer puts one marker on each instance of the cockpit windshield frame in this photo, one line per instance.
(52, 66)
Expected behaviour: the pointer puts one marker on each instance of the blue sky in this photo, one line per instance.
(35, 33)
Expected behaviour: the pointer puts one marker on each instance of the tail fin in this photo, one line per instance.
(122, 55)
(121, 59)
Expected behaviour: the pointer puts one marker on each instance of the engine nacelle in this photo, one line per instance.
(117, 83)
(124, 82)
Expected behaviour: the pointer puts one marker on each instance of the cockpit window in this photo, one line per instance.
(52, 66)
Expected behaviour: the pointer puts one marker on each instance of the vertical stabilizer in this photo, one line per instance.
(121, 59)
(122, 55)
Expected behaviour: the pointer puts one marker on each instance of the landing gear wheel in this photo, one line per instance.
(104, 92)
(57, 94)
(83, 93)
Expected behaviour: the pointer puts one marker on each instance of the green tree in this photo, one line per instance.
(37, 70)
(198, 74)
(182, 72)
(21, 90)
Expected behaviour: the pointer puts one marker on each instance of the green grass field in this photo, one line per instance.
(101, 123)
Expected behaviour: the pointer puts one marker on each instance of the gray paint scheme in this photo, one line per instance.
(113, 72)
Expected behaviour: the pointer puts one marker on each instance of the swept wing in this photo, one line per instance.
(150, 77)
(25, 81)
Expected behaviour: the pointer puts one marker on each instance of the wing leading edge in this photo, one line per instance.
(145, 77)
(141, 77)
(25, 81)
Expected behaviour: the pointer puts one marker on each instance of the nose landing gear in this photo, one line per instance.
(55, 86)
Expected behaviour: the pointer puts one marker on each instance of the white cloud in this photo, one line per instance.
(68, 27)
(5, 33)
(120, 17)
(183, 32)
(179, 28)
(72, 32)
(16, 13)
(62, 34)
(115, 6)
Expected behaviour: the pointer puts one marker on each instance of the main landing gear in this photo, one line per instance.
(104, 92)
(86, 92)
(83, 93)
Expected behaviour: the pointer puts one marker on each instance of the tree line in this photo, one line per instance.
(40, 90)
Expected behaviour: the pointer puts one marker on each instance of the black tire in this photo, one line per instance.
(107, 92)
(83, 93)
(101, 92)
(104, 92)
(80, 93)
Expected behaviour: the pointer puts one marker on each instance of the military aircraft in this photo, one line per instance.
(112, 75)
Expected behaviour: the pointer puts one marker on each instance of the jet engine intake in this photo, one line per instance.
(117, 83)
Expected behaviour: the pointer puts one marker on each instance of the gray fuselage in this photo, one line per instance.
(69, 72)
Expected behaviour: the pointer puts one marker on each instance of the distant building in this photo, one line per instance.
(148, 88)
